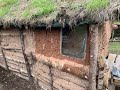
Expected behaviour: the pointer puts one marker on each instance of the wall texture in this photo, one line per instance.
(48, 49)
(11, 45)
(51, 70)
(53, 79)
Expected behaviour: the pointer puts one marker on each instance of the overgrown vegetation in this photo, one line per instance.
(5, 6)
(96, 4)
(34, 8)
(43, 7)
(39, 7)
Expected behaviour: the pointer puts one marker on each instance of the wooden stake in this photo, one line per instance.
(93, 56)
(25, 56)
(7, 67)
(51, 75)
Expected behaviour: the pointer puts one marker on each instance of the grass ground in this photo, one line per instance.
(114, 47)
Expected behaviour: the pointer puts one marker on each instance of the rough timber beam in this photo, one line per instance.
(93, 56)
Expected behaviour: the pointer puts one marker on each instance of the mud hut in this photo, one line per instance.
(61, 44)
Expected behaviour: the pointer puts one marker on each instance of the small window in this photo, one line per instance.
(74, 41)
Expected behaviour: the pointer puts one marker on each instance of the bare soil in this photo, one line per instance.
(9, 81)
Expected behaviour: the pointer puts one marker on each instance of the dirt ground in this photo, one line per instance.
(9, 81)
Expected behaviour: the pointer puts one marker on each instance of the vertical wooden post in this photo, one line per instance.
(7, 67)
(51, 75)
(25, 56)
(93, 56)
(26, 61)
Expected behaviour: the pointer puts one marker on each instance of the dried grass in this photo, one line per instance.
(72, 11)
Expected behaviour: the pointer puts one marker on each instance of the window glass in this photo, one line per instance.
(74, 41)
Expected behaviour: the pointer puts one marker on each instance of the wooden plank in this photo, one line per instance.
(111, 60)
(70, 78)
(22, 76)
(16, 56)
(44, 85)
(61, 83)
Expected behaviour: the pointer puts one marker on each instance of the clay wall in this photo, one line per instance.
(52, 70)
(55, 71)
(48, 49)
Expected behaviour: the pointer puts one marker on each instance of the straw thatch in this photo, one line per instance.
(71, 12)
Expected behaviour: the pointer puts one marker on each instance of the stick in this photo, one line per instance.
(7, 67)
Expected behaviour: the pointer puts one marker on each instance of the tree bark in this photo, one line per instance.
(93, 56)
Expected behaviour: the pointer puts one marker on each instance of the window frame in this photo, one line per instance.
(80, 58)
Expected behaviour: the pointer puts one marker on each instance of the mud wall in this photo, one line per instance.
(55, 71)
(48, 49)
(104, 37)
(52, 70)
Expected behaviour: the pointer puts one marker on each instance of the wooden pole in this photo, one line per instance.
(93, 56)
(26, 61)
(51, 75)
(25, 56)
(7, 67)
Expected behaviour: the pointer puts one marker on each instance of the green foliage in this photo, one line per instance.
(38, 7)
(96, 4)
(5, 6)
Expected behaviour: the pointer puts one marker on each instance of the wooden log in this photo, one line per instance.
(25, 56)
(15, 56)
(44, 85)
(13, 49)
(51, 75)
(70, 78)
(93, 56)
(17, 67)
(2, 50)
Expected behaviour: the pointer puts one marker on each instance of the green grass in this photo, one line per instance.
(114, 47)
(96, 4)
(39, 7)
(5, 6)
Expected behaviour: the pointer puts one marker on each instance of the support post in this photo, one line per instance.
(25, 56)
(7, 67)
(93, 56)
(26, 61)
(51, 75)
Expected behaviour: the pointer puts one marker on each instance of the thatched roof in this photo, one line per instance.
(39, 12)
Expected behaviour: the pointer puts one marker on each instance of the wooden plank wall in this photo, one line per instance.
(11, 46)
(49, 78)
